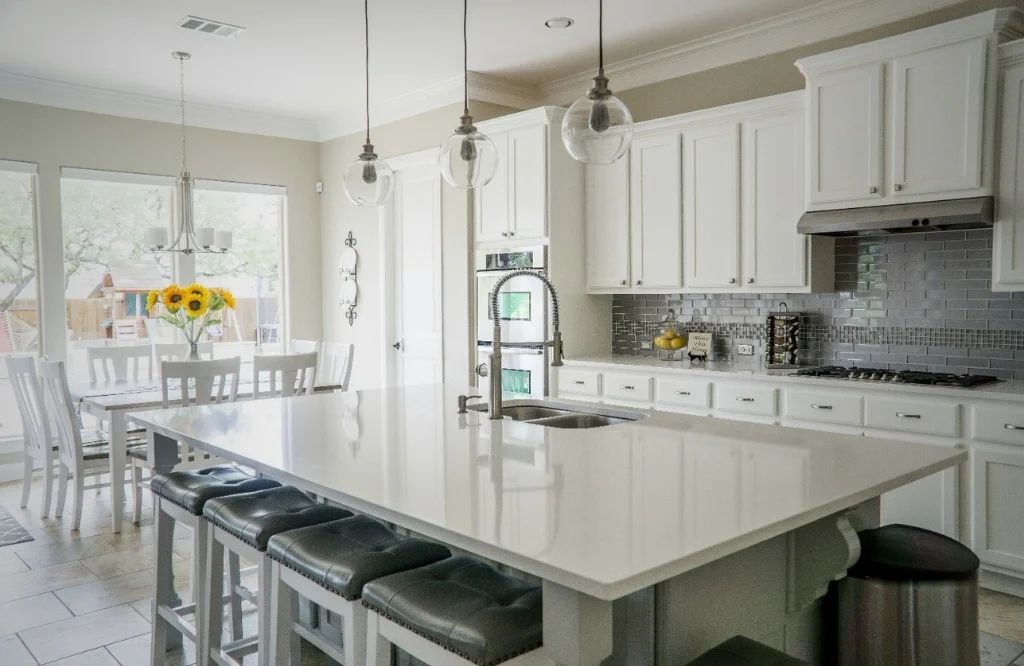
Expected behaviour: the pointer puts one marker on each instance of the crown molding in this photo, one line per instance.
(817, 23)
(47, 92)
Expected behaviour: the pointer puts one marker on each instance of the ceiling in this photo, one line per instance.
(303, 59)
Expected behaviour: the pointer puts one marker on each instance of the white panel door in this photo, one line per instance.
(998, 502)
(1008, 241)
(527, 182)
(844, 134)
(416, 230)
(774, 254)
(608, 225)
(937, 101)
(711, 205)
(492, 200)
(656, 212)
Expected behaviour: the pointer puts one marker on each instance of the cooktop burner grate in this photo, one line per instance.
(898, 376)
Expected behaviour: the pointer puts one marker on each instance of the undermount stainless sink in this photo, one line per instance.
(559, 415)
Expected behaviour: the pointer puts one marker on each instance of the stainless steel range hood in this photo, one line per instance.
(900, 218)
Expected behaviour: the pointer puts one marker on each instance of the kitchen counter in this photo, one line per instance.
(1010, 390)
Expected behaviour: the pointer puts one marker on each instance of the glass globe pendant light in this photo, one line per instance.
(598, 128)
(468, 158)
(369, 181)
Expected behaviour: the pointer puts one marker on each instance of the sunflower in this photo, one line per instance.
(151, 300)
(196, 289)
(226, 296)
(196, 304)
(173, 297)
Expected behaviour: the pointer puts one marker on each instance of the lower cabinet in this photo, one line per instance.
(998, 505)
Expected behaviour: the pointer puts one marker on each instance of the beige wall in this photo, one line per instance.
(773, 74)
(340, 216)
(55, 138)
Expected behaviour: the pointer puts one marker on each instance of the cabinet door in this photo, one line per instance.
(608, 225)
(774, 254)
(998, 498)
(711, 206)
(492, 220)
(937, 102)
(655, 212)
(527, 178)
(1008, 241)
(844, 133)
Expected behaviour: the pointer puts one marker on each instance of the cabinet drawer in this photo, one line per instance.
(628, 387)
(912, 416)
(683, 393)
(579, 382)
(999, 424)
(825, 407)
(745, 399)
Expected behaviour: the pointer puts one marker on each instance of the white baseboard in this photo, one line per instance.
(10, 471)
(1000, 582)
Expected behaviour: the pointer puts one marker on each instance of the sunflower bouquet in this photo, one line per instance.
(191, 309)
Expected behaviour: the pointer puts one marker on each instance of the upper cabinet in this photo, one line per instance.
(711, 205)
(655, 230)
(513, 206)
(1008, 238)
(905, 119)
(607, 222)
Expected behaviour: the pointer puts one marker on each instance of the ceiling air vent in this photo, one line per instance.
(215, 28)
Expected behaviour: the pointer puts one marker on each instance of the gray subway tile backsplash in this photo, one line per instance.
(922, 301)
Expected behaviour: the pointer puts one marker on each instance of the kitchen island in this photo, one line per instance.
(654, 539)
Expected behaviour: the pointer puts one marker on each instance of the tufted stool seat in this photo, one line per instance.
(742, 651)
(463, 605)
(244, 524)
(329, 564)
(180, 498)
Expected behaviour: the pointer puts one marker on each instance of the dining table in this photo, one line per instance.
(109, 400)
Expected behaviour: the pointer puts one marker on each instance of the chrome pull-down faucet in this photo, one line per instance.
(494, 371)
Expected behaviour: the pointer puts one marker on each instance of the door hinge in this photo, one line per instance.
(319, 187)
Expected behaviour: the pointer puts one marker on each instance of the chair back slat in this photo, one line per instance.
(337, 364)
(202, 375)
(178, 351)
(304, 346)
(116, 358)
(296, 374)
(69, 436)
(28, 394)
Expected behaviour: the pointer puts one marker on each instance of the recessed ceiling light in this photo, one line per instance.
(559, 22)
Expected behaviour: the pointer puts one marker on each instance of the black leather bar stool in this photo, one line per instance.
(329, 564)
(456, 612)
(244, 524)
(179, 498)
(742, 651)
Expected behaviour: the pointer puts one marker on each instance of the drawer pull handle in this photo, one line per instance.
(908, 416)
(744, 400)
(688, 393)
(578, 382)
(821, 406)
(627, 387)
(1010, 426)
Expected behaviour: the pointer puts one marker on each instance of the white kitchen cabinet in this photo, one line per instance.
(844, 129)
(998, 498)
(1008, 238)
(513, 206)
(774, 256)
(711, 206)
(655, 212)
(937, 121)
(608, 225)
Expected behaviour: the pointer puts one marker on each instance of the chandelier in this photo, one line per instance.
(189, 240)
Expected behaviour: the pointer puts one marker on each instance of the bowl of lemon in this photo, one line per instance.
(672, 342)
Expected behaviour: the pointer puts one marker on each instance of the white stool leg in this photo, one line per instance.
(164, 527)
(234, 580)
(137, 492)
(354, 635)
(264, 602)
(284, 642)
(213, 590)
(378, 648)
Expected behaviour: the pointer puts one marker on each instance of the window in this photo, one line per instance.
(254, 214)
(19, 314)
(107, 269)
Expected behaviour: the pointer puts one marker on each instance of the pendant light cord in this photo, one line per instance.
(600, 37)
(465, 56)
(184, 152)
(366, 21)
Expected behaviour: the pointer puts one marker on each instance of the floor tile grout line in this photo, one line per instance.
(61, 602)
(25, 645)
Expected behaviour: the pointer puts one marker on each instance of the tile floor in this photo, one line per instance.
(91, 588)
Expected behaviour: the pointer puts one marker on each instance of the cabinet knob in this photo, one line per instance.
(732, 280)
(750, 280)
(897, 187)
(1010, 426)
(624, 282)
(873, 190)
(639, 282)
(511, 234)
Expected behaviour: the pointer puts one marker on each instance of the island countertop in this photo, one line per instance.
(604, 511)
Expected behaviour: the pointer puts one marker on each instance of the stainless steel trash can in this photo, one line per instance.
(910, 600)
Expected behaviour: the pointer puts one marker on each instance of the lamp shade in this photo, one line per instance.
(597, 128)
(369, 181)
(468, 159)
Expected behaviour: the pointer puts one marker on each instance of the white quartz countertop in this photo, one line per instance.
(605, 511)
(1012, 390)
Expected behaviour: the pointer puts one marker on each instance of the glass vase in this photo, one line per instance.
(193, 351)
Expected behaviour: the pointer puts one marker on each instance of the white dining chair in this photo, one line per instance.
(126, 330)
(289, 375)
(36, 438)
(303, 346)
(114, 361)
(76, 461)
(178, 351)
(336, 366)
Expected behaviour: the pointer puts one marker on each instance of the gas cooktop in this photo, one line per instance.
(898, 376)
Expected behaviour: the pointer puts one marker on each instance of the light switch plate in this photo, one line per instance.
(745, 350)
(646, 344)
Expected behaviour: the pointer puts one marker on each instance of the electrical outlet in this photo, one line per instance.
(745, 350)
(646, 344)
